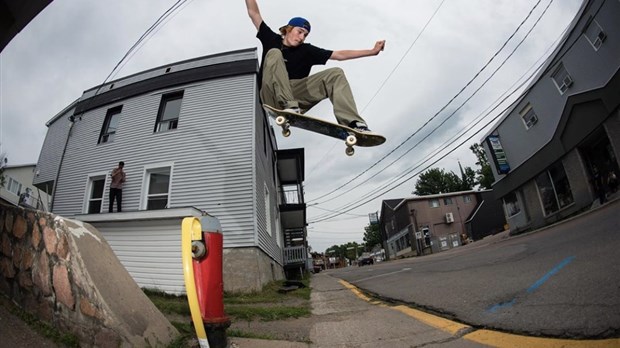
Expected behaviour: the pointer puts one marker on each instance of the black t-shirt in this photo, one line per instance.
(299, 60)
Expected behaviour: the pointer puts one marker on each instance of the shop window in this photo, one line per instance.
(511, 204)
(554, 189)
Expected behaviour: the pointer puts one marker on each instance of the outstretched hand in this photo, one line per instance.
(379, 46)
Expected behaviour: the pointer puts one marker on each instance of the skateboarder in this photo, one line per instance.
(284, 78)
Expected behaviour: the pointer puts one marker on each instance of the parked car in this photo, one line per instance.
(365, 259)
(317, 265)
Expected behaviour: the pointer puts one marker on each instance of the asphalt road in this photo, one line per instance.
(562, 281)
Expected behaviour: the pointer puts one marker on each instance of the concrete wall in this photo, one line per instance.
(63, 272)
(249, 269)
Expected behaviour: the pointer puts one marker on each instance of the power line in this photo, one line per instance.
(463, 103)
(441, 110)
(134, 48)
(437, 150)
(386, 79)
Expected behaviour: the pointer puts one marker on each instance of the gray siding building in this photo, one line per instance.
(556, 148)
(195, 141)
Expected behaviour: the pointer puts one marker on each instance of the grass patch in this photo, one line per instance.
(269, 294)
(168, 304)
(186, 333)
(265, 305)
(45, 329)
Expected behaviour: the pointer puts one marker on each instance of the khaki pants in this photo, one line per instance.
(280, 92)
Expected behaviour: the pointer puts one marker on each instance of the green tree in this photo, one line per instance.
(436, 181)
(345, 251)
(430, 182)
(484, 174)
(468, 179)
(372, 236)
(335, 251)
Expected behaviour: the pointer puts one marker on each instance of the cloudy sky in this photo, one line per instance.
(414, 92)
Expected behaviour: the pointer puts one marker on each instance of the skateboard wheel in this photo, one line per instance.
(286, 132)
(280, 120)
(349, 151)
(351, 140)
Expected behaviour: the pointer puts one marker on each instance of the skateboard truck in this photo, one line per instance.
(350, 139)
(286, 126)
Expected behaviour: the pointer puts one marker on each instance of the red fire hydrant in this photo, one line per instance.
(208, 269)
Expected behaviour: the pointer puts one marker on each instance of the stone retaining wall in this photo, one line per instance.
(65, 273)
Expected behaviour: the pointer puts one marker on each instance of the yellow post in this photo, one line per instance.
(190, 231)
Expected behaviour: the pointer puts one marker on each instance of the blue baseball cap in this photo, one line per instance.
(298, 22)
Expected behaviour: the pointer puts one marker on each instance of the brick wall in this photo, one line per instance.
(64, 273)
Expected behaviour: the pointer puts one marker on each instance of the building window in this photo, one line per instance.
(158, 188)
(14, 186)
(511, 204)
(528, 116)
(554, 189)
(447, 201)
(562, 79)
(433, 203)
(110, 124)
(96, 186)
(169, 110)
(595, 35)
(467, 199)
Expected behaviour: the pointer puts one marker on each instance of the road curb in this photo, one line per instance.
(484, 336)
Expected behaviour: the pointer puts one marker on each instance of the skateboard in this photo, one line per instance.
(351, 137)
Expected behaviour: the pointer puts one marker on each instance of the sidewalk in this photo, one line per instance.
(349, 320)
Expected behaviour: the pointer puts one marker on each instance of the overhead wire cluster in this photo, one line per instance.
(439, 152)
(167, 15)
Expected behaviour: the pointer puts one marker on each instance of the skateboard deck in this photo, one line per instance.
(351, 137)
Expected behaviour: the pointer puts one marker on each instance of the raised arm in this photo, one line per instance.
(352, 54)
(254, 13)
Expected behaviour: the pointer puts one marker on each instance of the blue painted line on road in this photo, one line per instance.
(546, 277)
(499, 306)
(536, 285)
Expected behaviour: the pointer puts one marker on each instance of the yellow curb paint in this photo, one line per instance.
(505, 340)
(433, 320)
(488, 337)
(355, 291)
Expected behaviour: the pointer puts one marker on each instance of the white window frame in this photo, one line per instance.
(11, 184)
(89, 187)
(434, 203)
(528, 116)
(595, 35)
(108, 134)
(565, 80)
(163, 125)
(151, 168)
(467, 199)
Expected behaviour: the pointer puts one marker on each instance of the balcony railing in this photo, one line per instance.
(296, 254)
(292, 194)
